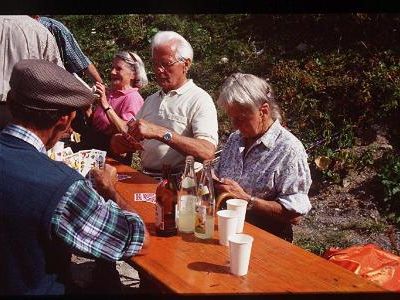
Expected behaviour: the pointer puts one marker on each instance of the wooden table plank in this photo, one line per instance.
(185, 264)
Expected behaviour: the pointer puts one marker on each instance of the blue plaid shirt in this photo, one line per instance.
(71, 54)
(86, 221)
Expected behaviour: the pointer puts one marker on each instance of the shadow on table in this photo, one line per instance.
(208, 267)
(190, 237)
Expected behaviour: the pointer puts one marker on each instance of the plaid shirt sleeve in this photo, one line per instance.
(88, 223)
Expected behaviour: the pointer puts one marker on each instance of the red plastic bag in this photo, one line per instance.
(370, 262)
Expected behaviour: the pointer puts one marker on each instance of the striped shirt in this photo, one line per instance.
(85, 221)
(75, 61)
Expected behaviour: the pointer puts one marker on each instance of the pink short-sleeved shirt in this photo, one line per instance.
(126, 103)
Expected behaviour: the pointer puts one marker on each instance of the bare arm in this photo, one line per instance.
(112, 116)
(93, 73)
(199, 148)
(261, 206)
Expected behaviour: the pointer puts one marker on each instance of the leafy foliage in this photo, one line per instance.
(390, 179)
(335, 75)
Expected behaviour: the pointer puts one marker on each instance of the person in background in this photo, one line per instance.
(117, 105)
(75, 61)
(21, 37)
(262, 162)
(178, 120)
(48, 210)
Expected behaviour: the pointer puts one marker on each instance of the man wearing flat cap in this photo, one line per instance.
(48, 210)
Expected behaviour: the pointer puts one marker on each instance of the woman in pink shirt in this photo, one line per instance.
(118, 104)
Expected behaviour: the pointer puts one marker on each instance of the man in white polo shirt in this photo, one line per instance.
(178, 120)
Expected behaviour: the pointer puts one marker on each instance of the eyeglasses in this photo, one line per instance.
(165, 66)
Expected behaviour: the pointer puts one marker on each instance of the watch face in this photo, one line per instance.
(167, 136)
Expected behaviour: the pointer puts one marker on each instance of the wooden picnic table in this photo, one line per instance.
(185, 264)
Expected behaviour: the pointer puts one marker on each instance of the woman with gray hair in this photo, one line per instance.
(262, 162)
(118, 104)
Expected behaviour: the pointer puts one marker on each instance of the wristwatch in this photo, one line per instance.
(167, 136)
(251, 202)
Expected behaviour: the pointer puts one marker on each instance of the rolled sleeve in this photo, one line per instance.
(88, 223)
(294, 183)
(205, 122)
(299, 203)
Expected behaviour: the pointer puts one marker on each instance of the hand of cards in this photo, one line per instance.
(82, 161)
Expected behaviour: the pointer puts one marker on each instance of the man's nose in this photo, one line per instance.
(113, 71)
(159, 69)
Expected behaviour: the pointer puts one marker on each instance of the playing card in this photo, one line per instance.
(55, 153)
(123, 177)
(99, 158)
(146, 197)
(73, 161)
(67, 151)
(87, 161)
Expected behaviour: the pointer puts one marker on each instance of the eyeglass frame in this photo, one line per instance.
(170, 64)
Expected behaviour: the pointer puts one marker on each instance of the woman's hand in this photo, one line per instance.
(101, 90)
(232, 187)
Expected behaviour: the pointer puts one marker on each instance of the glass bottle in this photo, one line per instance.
(166, 200)
(187, 197)
(205, 206)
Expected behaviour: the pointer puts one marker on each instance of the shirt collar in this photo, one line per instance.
(26, 135)
(181, 90)
(124, 92)
(269, 138)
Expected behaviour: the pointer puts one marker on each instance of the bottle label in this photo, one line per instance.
(203, 190)
(187, 203)
(159, 217)
(201, 216)
(188, 182)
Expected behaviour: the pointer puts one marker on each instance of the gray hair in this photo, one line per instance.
(248, 91)
(137, 65)
(182, 47)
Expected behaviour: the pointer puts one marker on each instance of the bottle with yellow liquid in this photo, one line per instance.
(187, 198)
(205, 206)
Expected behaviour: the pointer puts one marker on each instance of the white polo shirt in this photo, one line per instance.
(188, 111)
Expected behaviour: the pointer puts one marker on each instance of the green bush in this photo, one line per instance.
(390, 178)
(335, 75)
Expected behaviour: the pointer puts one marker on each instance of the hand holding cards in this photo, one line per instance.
(82, 161)
(129, 136)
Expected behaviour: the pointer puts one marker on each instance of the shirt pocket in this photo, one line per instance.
(176, 118)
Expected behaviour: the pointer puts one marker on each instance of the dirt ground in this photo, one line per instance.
(349, 213)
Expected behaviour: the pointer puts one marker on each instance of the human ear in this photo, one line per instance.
(264, 109)
(65, 121)
(187, 64)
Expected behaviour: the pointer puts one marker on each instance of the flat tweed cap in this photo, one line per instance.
(42, 85)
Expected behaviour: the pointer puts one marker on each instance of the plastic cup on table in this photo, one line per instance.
(240, 206)
(227, 222)
(239, 253)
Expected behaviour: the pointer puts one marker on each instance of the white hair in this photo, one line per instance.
(137, 65)
(248, 91)
(183, 49)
